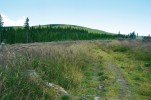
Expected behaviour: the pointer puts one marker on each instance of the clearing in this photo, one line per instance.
(90, 70)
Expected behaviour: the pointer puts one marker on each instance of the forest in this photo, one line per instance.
(11, 35)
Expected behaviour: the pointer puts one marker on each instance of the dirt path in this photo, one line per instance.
(117, 84)
(124, 92)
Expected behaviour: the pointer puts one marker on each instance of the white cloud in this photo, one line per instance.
(9, 22)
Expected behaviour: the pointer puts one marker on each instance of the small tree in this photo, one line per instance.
(26, 26)
(132, 35)
(1, 26)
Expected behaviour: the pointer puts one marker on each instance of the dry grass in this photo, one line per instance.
(132, 62)
(73, 66)
(59, 63)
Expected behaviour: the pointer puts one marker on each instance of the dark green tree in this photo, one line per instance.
(132, 35)
(26, 26)
(1, 26)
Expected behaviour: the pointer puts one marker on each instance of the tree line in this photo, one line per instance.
(48, 33)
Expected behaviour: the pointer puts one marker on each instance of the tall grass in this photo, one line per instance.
(137, 49)
(70, 65)
(59, 63)
(134, 57)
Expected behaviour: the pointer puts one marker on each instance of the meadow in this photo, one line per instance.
(108, 69)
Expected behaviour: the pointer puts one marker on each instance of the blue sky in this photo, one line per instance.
(108, 15)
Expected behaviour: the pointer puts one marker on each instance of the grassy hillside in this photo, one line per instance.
(85, 69)
(72, 26)
(80, 27)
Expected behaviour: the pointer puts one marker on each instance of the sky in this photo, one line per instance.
(109, 15)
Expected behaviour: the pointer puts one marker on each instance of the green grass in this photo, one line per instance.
(79, 67)
(133, 63)
(65, 97)
(121, 49)
(62, 64)
(80, 27)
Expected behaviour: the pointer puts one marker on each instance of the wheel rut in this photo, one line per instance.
(124, 91)
(118, 83)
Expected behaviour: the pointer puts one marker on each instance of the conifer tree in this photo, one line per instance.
(26, 25)
(1, 26)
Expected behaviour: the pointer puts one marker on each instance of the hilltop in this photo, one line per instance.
(90, 30)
